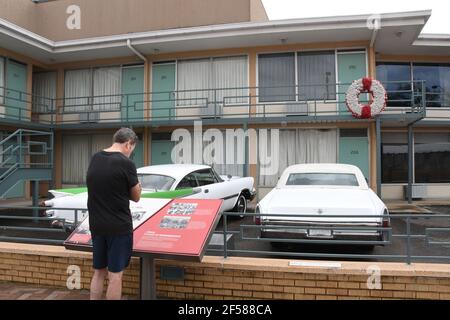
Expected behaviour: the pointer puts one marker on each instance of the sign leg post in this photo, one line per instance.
(148, 279)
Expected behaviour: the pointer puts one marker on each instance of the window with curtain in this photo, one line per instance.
(107, 89)
(432, 157)
(276, 77)
(76, 155)
(437, 85)
(214, 81)
(77, 90)
(317, 75)
(44, 91)
(396, 78)
(193, 82)
(2, 79)
(299, 146)
(394, 157)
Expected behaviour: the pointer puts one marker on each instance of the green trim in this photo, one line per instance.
(73, 190)
(168, 194)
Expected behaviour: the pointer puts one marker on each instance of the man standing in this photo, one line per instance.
(112, 182)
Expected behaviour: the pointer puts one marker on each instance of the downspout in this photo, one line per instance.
(140, 55)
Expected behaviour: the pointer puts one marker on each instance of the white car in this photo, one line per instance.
(318, 190)
(167, 182)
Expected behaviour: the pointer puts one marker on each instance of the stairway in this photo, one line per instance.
(25, 155)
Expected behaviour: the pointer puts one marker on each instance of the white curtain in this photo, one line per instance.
(317, 75)
(300, 146)
(230, 72)
(44, 90)
(107, 89)
(76, 156)
(100, 142)
(2, 79)
(77, 90)
(193, 75)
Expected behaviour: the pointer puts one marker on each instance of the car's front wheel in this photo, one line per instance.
(241, 206)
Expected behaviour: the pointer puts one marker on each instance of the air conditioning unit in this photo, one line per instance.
(89, 117)
(297, 109)
(419, 191)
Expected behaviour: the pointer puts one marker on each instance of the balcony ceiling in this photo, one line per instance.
(399, 34)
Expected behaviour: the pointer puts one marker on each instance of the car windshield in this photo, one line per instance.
(322, 179)
(156, 181)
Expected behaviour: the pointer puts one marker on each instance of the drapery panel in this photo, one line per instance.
(276, 74)
(2, 80)
(77, 90)
(107, 89)
(44, 91)
(317, 75)
(298, 146)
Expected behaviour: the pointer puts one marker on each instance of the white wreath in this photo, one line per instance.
(377, 91)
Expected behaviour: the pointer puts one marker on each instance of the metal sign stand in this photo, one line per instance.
(147, 278)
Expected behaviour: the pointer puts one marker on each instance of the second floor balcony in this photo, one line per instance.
(407, 102)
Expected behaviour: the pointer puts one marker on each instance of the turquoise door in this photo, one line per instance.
(162, 152)
(138, 154)
(163, 87)
(355, 151)
(351, 67)
(133, 89)
(16, 84)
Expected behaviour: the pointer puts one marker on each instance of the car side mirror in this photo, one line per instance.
(229, 176)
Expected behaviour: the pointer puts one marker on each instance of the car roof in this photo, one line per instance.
(324, 168)
(176, 171)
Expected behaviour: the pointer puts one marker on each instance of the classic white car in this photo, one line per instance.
(317, 190)
(166, 182)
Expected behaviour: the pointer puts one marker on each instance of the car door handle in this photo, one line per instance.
(206, 191)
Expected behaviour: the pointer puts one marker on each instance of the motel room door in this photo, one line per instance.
(163, 87)
(16, 82)
(351, 66)
(162, 151)
(354, 149)
(132, 89)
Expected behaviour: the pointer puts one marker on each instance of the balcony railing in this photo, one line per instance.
(252, 104)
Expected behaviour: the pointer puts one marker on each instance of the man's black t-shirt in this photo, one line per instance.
(109, 179)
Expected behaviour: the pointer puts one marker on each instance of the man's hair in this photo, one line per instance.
(124, 135)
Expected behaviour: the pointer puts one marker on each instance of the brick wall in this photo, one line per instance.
(236, 278)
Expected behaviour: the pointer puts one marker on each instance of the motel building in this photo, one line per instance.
(73, 72)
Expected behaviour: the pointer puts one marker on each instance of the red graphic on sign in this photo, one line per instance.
(181, 228)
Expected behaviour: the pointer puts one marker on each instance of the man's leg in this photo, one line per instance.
(97, 283)
(114, 291)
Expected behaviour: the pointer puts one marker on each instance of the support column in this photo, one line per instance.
(378, 134)
(410, 163)
(148, 279)
(146, 142)
(58, 160)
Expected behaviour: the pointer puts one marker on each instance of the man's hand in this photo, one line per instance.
(135, 192)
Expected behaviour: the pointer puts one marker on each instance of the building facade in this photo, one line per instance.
(80, 72)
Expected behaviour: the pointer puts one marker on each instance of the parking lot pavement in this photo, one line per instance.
(12, 291)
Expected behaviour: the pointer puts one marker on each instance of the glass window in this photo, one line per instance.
(205, 177)
(432, 157)
(394, 157)
(396, 78)
(156, 182)
(276, 74)
(437, 83)
(317, 75)
(322, 179)
(188, 182)
(44, 90)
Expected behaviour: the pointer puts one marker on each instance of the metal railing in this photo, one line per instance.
(404, 238)
(25, 149)
(409, 237)
(309, 102)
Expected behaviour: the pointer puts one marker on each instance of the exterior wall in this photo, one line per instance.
(235, 278)
(110, 17)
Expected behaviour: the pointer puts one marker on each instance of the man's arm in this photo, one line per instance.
(135, 193)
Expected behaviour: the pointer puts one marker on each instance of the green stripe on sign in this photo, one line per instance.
(168, 194)
(73, 190)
